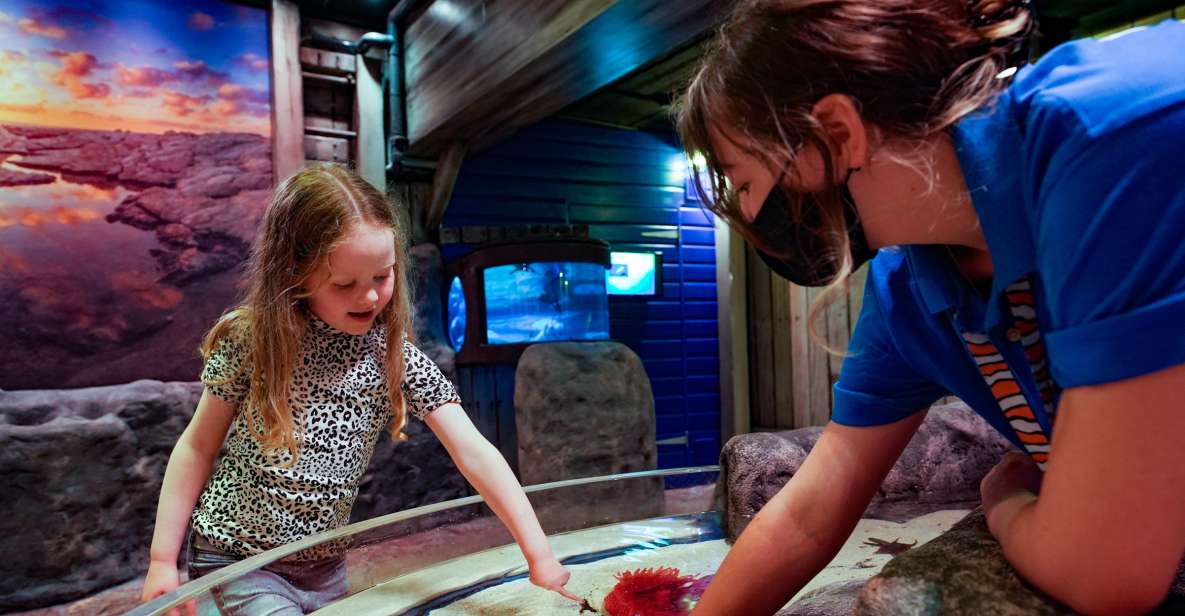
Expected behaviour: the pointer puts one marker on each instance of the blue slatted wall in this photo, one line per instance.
(630, 188)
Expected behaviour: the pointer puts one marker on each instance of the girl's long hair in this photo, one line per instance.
(308, 216)
(912, 67)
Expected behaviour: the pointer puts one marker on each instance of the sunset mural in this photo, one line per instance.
(135, 161)
(147, 67)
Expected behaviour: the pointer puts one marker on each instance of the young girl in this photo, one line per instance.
(1038, 271)
(305, 371)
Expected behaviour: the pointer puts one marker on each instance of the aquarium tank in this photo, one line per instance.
(545, 301)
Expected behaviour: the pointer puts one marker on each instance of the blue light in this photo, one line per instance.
(632, 273)
(455, 313)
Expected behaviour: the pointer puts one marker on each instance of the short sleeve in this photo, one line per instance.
(876, 385)
(1111, 251)
(225, 373)
(425, 388)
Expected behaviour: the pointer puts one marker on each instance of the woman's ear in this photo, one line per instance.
(841, 120)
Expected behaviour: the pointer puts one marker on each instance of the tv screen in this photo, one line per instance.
(544, 301)
(633, 273)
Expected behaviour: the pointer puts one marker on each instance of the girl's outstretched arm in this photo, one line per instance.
(187, 472)
(1106, 534)
(483, 466)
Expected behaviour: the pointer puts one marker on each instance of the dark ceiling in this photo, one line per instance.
(641, 100)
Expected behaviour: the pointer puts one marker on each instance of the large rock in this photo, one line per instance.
(836, 599)
(963, 571)
(940, 469)
(584, 409)
(87, 465)
(83, 469)
(9, 177)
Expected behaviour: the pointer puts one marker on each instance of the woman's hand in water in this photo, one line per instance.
(551, 575)
(1010, 485)
(162, 578)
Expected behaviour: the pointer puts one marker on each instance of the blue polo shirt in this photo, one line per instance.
(1077, 173)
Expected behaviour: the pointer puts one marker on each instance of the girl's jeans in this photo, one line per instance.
(278, 589)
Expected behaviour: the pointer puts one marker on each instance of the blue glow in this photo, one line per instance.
(632, 273)
(455, 313)
(534, 302)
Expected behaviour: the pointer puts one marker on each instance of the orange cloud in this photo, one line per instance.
(236, 92)
(201, 21)
(143, 76)
(34, 26)
(225, 108)
(183, 104)
(34, 108)
(78, 63)
(75, 66)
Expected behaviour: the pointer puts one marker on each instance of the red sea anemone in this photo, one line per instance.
(654, 592)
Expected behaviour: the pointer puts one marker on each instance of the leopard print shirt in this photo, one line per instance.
(339, 400)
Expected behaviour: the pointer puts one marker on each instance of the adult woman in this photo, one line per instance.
(1038, 271)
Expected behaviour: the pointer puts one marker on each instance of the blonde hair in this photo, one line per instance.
(912, 67)
(309, 215)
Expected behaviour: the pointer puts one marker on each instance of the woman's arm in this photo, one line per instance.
(1108, 531)
(483, 466)
(801, 529)
(188, 469)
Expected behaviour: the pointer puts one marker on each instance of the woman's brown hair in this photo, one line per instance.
(912, 67)
(308, 216)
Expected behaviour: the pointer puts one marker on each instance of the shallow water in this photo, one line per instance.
(492, 582)
(86, 301)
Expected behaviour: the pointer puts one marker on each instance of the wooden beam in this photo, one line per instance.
(443, 182)
(474, 74)
(732, 317)
(287, 91)
(371, 157)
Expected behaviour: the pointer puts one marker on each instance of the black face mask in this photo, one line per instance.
(801, 252)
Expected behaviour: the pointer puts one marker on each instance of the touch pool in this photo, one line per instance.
(456, 558)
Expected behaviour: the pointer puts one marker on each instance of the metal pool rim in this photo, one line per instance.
(192, 590)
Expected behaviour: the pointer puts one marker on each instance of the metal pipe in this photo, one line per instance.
(318, 40)
(397, 142)
(372, 39)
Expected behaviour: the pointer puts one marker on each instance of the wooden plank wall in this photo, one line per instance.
(791, 374)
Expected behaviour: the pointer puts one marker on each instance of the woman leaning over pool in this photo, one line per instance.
(1036, 270)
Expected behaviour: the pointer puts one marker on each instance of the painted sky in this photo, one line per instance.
(139, 65)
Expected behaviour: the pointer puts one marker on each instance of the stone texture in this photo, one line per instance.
(584, 409)
(83, 470)
(838, 599)
(87, 465)
(963, 571)
(939, 469)
(8, 177)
